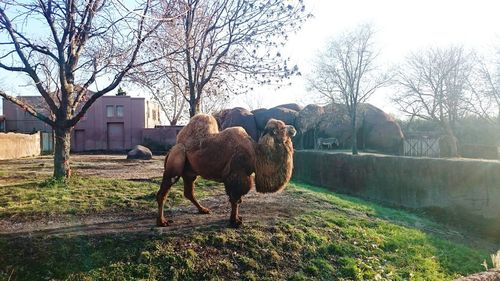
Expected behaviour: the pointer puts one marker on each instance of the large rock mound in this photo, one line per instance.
(376, 130)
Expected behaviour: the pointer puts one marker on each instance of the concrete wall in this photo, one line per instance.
(461, 192)
(160, 139)
(13, 145)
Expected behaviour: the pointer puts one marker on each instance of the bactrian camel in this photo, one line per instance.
(230, 157)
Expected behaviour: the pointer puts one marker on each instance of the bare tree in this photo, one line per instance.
(434, 86)
(346, 72)
(157, 80)
(228, 46)
(68, 47)
(484, 100)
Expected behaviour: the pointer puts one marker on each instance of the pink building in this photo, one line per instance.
(112, 123)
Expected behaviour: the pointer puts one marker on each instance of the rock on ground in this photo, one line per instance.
(492, 275)
(140, 152)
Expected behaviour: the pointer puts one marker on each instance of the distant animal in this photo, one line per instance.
(230, 157)
(328, 143)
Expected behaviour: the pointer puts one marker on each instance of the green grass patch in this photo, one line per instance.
(332, 237)
(84, 195)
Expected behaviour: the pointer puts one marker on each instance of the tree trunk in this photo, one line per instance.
(448, 144)
(354, 134)
(61, 153)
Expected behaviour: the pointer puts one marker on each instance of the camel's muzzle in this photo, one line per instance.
(291, 131)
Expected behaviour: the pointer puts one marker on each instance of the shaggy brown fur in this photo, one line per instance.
(231, 157)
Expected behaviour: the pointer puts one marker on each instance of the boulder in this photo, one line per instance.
(336, 123)
(491, 275)
(306, 122)
(380, 130)
(292, 106)
(309, 117)
(140, 152)
(284, 114)
(237, 116)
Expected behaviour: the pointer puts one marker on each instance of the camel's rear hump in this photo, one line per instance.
(198, 128)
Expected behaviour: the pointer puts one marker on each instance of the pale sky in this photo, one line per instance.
(402, 26)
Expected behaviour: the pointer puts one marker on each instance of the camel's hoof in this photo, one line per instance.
(235, 223)
(163, 222)
(204, 211)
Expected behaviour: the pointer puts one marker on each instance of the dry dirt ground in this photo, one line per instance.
(115, 166)
(108, 166)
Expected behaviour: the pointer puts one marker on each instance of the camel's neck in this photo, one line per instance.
(274, 164)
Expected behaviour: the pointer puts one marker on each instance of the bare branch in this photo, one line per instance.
(28, 108)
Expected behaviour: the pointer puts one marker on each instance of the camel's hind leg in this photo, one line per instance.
(174, 166)
(161, 196)
(189, 193)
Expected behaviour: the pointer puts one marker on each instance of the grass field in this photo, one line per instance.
(325, 237)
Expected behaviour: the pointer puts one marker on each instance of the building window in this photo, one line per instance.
(110, 111)
(154, 114)
(119, 111)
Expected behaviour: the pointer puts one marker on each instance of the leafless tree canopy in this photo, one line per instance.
(74, 52)
(222, 47)
(346, 71)
(484, 100)
(434, 84)
(69, 47)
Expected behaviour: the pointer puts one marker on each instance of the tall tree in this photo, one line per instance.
(434, 86)
(346, 72)
(228, 46)
(67, 47)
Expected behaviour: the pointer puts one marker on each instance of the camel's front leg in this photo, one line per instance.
(235, 219)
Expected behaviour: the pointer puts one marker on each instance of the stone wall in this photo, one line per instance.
(13, 145)
(160, 139)
(461, 192)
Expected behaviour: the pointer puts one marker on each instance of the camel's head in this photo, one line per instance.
(279, 131)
